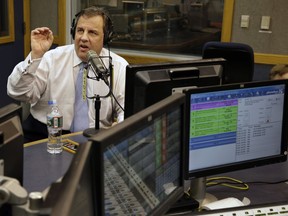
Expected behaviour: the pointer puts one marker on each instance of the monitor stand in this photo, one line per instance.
(184, 204)
(198, 197)
(198, 191)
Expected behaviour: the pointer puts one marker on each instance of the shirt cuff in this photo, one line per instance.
(27, 63)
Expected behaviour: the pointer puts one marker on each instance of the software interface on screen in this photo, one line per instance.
(142, 169)
(235, 125)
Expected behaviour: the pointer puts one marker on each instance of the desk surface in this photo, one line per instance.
(257, 193)
(41, 168)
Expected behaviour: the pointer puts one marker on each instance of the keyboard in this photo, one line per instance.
(279, 209)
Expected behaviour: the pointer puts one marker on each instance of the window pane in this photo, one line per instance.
(170, 26)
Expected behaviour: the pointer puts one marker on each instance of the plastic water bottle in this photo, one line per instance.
(54, 126)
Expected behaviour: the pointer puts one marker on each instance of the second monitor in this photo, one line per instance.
(233, 127)
(147, 84)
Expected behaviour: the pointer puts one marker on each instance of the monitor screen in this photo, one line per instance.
(140, 160)
(149, 83)
(237, 126)
(11, 144)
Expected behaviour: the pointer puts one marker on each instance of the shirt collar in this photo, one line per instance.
(76, 59)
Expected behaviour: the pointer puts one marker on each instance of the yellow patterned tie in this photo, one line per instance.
(81, 119)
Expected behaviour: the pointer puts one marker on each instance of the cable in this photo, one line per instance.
(231, 182)
(263, 182)
(117, 102)
(227, 182)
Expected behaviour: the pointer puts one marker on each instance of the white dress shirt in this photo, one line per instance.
(53, 77)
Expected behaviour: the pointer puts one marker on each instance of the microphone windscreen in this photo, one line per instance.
(91, 54)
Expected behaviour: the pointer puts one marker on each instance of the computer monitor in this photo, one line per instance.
(11, 142)
(147, 84)
(140, 160)
(76, 193)
(233, 127)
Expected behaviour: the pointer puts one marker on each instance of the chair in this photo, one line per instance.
(239, 56)
(25, 110)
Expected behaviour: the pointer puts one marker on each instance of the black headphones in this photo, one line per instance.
(108, 30)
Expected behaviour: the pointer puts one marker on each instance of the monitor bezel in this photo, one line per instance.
(13, 166)
(132, 70)
(60, 196)
(282, 157)
(107, 137)
(9, 111)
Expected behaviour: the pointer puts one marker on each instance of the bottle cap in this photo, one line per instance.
(52, 102)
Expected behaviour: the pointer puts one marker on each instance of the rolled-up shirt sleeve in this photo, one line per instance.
(21, 82)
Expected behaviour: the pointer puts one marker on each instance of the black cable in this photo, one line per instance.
(264, 182)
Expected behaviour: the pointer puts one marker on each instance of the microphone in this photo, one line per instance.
(98, 66)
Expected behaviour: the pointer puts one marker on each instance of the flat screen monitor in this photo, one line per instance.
(149, 83)
(75, 194)
(140, 160)
(233, 127)
(11, 142)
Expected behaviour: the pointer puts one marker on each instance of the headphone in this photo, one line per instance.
(108, 29)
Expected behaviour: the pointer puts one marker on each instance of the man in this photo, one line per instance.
(51, 75)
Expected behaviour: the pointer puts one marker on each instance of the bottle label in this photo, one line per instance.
(55, 122)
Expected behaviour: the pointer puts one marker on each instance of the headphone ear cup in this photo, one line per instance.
(72, 29)
(109, 32)
(73, 25)
(107, 37)
(72, 32)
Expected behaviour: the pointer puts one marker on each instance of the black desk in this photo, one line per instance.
(257, 193)
(260, 195)
(42, 168)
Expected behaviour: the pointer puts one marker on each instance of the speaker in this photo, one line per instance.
(108, 30)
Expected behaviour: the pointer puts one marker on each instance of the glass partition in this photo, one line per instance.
(166, 26)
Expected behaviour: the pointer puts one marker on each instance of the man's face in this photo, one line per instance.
(89, 35)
